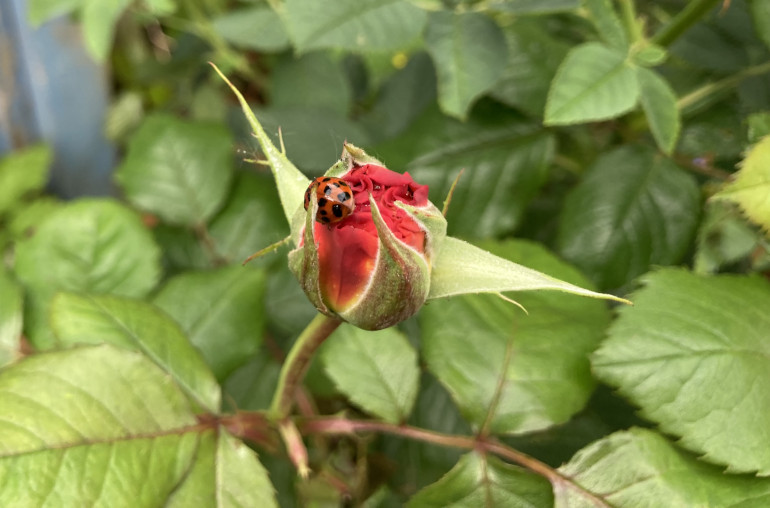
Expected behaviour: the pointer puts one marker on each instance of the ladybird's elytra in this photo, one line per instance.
(335, 199)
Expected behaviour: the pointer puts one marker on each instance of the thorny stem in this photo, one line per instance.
(694, 10)
(689, 101)
(336, 425)
(297, 363)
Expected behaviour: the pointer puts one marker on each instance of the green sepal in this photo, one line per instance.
(434, 223)
(464, 268)
(399, 285)
(290, 181)
(303, 261)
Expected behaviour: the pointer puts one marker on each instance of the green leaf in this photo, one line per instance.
(221, 311)
(377, 371)
(760, 14)
(594, 82)
(27, 217)
(464, 268)
(469, 50)
(98, 19)
(518, 372)
(648, 55)
(355, 25)
(533, 7)
(693, 354)
(659, 104)
(291, 183)
(638, 467)
(311, 81)
(10, 319)
(724, 238)
(251, 387)
(258, 28)
(759, 126)
(633, 209)
(505, 159)
(91, 245)
(178, 170)
(423, 463)
(136, 325)
(104, 426)
(22, 173)
(751, 185)
(43, 10)
(402, 98)
(251, 219)
(161, 7)
(534, 56)
(607, 23)
(484, 480)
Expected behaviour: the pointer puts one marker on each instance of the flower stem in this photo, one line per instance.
(297, 363)
(694, 10)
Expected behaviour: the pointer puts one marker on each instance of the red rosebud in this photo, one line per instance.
(371, 268)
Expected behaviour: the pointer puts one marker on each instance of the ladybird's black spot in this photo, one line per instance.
(323, 212)
(322, 202)
(335, 184)
(326, 179)
(328, 190)
(343, 196)
(337, 210)
(325, 220)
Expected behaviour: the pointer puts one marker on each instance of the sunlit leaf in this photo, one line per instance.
(133, 324)
(693, 354)
(751, 186)
(10, 319)
(640, 468)
(23, 173)
(256, 27)
(91, 245)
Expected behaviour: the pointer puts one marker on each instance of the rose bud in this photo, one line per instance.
(367, 264)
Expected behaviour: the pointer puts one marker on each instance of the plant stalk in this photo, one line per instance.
(695, 10)
(297, 363)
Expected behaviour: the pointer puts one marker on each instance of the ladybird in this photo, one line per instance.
(335, 199)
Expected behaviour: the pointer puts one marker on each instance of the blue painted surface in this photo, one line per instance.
(51, 90)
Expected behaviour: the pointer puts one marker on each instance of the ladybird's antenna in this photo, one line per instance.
(451, 192)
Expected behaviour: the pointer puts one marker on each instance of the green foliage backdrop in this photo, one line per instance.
(621, 146)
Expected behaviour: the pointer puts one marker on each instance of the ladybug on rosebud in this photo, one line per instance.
(335, 199)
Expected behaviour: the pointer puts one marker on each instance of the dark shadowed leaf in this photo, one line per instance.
(469, 52)
(693, 354)
(313, 80)
(484, 480)
(634, 208)
(519, 372)
(178, 170)
(505, 160)
(221, 311)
